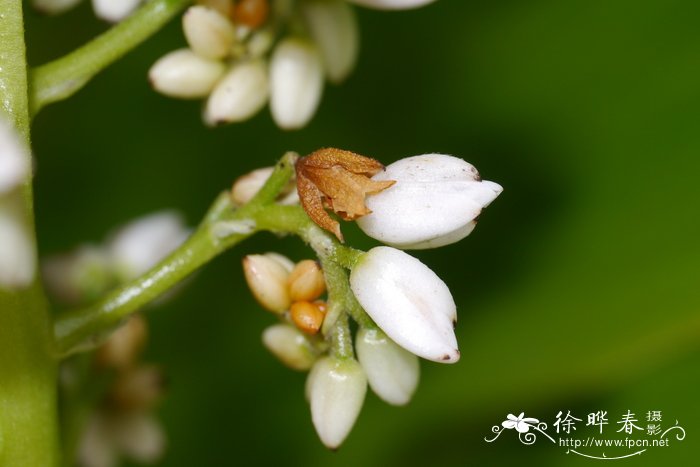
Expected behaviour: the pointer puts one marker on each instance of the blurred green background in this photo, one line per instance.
(578, 291)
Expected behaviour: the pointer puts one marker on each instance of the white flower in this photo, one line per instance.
(521, 425)
(14, 158)
(184, 74)
(434, 202)
(240, 94)
(336, 390)
(141, 244)
(392, 372)
(289, 345)
(17, 253)
(408, 301)
(114, 10)
(333, 26)
(296, 82)
(208, 33)
(392, 4)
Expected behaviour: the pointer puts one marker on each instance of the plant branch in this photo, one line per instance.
(63, 77)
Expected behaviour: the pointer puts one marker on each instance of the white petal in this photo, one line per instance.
(184, 74)
(114, 10)
(296, 82)
(17, 253)
(333, 26)
(434, 202)
(240, 94)
(392, 4)
(208, 32)
(54, 7)
(408, 301)
(336, 391)
(392, 372)
(289, 346)
(14, 158)
(509, 424)
(142, 243)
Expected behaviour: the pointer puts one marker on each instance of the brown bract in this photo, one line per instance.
(341, 180)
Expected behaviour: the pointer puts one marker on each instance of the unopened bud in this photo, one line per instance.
(267, 279)
(14, 158)
(392, 372)
(333, 26)
(306, 282)
(308, 317)
(17, 252)
(289, 346)
(184, 74)
(252, 13)
(79, 276)
(240, 94)
(336, 390)
(54, 7)
(208, 33)
(296, 82)
(392, 4)
(114, 10)
(124, 346)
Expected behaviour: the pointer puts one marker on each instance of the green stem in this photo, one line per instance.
(221, 229)
(28, 419)
(63, 77)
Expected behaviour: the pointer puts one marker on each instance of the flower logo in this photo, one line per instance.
(521, 424)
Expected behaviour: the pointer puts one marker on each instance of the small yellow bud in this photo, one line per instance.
(306, 282)
(267, 278)
(308, 317)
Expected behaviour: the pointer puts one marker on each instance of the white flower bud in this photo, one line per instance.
(114, 10)
(79, 276)
(208, 33)
(336, 390)
(392, 4)
(140, 437)
(142, 243)
(296, 82)
(240, 94)
(247, 186)
(408, 301)
(434, 202)
(392, 372)
(54, 7)
(267, 278)
(289, 346)
(14, 158)
(184, 74)
(333, 26)
(17, 253)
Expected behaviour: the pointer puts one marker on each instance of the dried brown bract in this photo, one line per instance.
(340, 180)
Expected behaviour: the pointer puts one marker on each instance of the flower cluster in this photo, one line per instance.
(242, 54)
(108, 10)
(418, 202)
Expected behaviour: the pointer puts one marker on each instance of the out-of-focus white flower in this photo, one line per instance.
(79, 276)
(289, 346)
(184, 74)
(434, 202)
(333, 26)
(392, 372)
(408, 301)
(240, 94)
(54, 7)
(14, 158)
(108, 436)
(296, 82)
(141, 244)
(247, 186)
(114, 10)
(208, 33)
(267, 278)
(17, 253)
(336, 390)
(392, 4)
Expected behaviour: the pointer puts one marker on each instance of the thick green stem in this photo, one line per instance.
(28, 421)
(63, 77)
